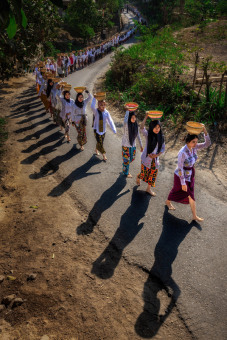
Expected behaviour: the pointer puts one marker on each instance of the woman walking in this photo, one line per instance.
(184, 175)
(68, 107)
(43, 93)
(131, 133)
(155, 146)
(50, 85)
(79, 118)
(101, 117)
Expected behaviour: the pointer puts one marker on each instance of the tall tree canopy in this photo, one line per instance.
(42, 20)
(83, 18)
(161, 11)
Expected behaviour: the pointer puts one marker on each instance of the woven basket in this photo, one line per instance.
(100, 96)
(194, 128)
(80, 89)
(67, 87)
(155, 115)
(131, 106)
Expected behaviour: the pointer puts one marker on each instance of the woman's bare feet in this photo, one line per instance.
(137, 181)
(129, 176)
(82, 148)
(152, 193)
(97, 153)
(170, 206)
(104, 157)
(198, 219)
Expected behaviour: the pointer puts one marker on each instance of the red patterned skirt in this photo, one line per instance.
(148, 175)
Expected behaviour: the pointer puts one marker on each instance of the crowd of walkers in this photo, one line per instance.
(72, 114)
(140, 18)
(67, 63)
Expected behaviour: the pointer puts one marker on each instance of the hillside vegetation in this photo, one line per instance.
(160, 72)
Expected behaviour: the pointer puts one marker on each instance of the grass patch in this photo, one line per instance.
(153, 73)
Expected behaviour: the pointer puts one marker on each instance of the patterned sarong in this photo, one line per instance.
(100, 140)
(46, 103)
(81, 130)
(128, 154)
(148, 175)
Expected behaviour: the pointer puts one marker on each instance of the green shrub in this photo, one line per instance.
(150, 74)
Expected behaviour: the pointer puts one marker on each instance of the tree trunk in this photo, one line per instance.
(201, 85)
(225, 98)
(207, 85)
(196, 63)
(220, 89)
(182, 4)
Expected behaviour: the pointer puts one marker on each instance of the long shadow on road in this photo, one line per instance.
(53, 165)
(27, 112)
(38, 133)
(33, 126)
(49, 139)
(45, 151)
(37, 116)
(106, 200)
(174, 232)
(77, 174)
(129, 227)
(26, 97)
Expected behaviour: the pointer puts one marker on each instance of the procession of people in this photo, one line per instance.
(67, 63)
(67, 113)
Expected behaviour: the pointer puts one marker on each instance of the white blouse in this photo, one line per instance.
(79, 112)
(187, 159)
(67, 108)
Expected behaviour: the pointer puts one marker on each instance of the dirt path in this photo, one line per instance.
(63, 300)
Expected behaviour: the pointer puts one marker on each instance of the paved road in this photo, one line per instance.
(189, 258)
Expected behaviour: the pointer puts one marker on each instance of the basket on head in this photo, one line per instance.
(49, 76)
(194, 128)
(80, 89)
(131, 106)
(154, 114)
(55, 80)
(67, 87)
(100, 96)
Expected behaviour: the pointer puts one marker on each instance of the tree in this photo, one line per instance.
(200, 10)
(12, 15)
(82, 18)
(158, 11)
(42, 21)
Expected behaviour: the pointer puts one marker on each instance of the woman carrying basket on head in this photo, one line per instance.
(79, 118)
(155, 146)
(184, 175)
(66, 113)
(131, 133)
